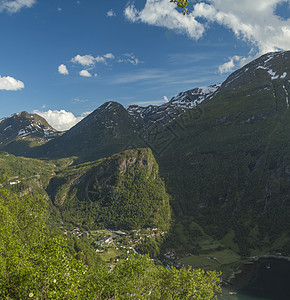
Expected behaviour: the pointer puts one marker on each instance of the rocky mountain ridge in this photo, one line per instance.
(169, 111)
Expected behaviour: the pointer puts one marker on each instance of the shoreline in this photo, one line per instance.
(251, 260)
(256, 258)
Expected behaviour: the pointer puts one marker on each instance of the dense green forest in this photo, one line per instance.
(38, 262)
(124, 191)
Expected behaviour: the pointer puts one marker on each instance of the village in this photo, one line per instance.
(113, 245)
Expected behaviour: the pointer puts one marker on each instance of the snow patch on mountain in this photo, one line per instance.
(269, 66)
(283, 75)
(7, 127)
(175, 107)
(287, 96)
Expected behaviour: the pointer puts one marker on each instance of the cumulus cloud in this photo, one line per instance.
(109, 56)
(8, 83)
(59, 119)
(62, 69)
(84, 60)
(229, 66)
(15, 5)
(100, 59)
(85, 73)
(256, 24)
(163, 13)
(111, 13)
(89, 60)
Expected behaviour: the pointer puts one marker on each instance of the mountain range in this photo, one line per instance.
(222, 154)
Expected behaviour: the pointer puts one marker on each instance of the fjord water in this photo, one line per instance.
(265, 279)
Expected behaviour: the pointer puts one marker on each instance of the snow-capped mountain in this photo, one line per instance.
(266, 69)
(112, 128)
(175, 107)
(24, 125)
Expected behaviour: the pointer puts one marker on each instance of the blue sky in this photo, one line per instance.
(64, 58)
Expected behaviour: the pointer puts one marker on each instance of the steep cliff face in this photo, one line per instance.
(122, 191)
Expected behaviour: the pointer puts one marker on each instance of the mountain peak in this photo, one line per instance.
(24, 125)
(265, 69)
(169, 111)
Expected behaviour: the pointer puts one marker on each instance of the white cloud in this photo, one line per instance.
(163, 13)
(89, 61)
(255, 23)
(85, 73)
(62, 69)
(8, 83)
(109, 56)
(16, 5)
(59, 119)
(165, 99)
(100, 59)
(86, 113)
(84, 60)
(229, 66)
(111, 13)
(130, 58)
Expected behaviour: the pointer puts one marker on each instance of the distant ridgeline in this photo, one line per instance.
(223, 152)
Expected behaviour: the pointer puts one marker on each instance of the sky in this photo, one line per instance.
(64, 58)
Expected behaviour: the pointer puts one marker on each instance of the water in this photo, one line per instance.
(266, 279)
(239, 296)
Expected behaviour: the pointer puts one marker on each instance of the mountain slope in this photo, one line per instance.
(228, 165)
(24, 125)
(22, 131)
(111, 128)
(179, 104)
(123, 191)
(105, 131)
(225, 161)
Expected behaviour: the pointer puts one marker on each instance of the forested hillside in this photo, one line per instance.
(124, 191)
(38, 262)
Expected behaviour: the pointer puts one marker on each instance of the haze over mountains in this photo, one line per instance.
(222, 151)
